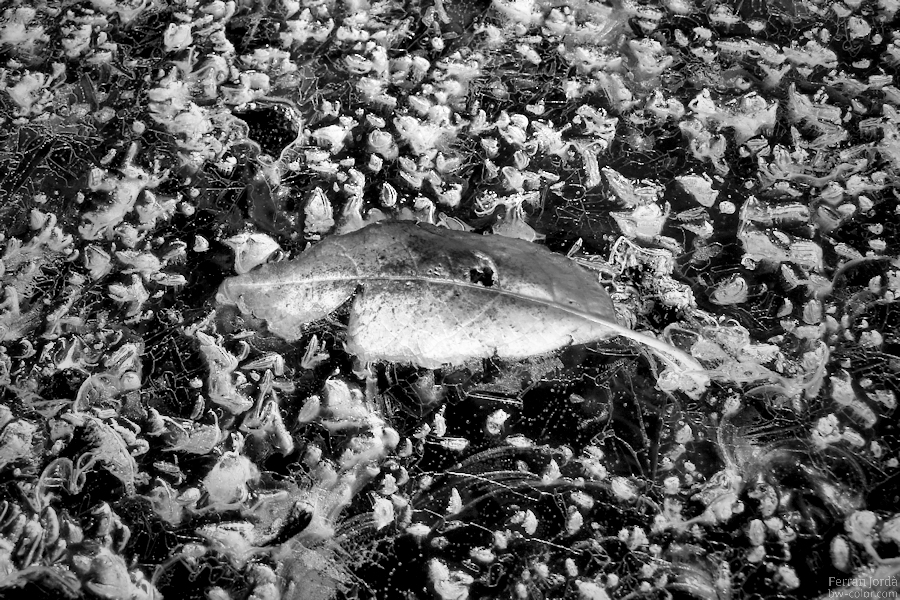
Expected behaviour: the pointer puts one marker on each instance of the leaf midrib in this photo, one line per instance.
(586, 315)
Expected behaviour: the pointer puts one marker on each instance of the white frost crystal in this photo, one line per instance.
(16, 437)
(227, 482)
(644, 222)
(623, 489)
(700, 187)
(20, 29)
(318, 213)
(251, 250)
(382, 143)
(332, 137)
(123, 190)
(133, 293)
(588, 590)
(449, 585)
(383, 512)
(177, 37)
(97, 261)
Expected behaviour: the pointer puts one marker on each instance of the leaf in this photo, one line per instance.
(432, 296)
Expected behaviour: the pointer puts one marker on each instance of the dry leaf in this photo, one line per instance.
(432, 296)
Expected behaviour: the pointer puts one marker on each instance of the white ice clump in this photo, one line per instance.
(251, 250)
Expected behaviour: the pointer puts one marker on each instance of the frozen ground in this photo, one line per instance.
(358, 422)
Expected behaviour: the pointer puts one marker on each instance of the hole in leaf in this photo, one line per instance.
(482, 275)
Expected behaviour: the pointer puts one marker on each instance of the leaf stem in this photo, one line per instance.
(683, 364)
